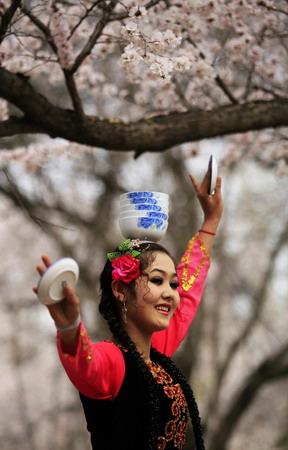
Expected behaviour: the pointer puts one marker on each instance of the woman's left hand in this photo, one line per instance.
(212, 204)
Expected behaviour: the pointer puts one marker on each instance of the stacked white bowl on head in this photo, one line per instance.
(144, 215)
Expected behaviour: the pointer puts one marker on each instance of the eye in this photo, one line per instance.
(157, 280)
(174, 284)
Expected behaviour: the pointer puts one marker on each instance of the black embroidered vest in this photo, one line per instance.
(123, 423)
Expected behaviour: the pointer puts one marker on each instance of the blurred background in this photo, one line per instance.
(236, 353)
(122, 65)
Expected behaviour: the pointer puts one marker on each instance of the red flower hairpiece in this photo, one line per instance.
(126, 266)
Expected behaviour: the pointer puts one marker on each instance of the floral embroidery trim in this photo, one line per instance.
(117, 345)
(86, 346)
(188, 283)
(175, 429)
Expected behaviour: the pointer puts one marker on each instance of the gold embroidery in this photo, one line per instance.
(170, 430)
(161, 443)
(117, 345)
(179, 438)
(175, 429)
(86, 345)
(187, 284)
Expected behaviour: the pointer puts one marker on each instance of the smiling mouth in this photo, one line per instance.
(163, 309)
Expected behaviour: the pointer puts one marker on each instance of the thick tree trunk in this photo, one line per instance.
(153, 134)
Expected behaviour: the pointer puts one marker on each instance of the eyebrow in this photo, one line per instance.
(163, 272)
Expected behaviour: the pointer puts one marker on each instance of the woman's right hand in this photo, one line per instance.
(67, 311)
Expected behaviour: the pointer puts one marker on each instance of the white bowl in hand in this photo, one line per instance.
(50, 285)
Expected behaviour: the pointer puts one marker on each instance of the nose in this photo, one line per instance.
(168, 292)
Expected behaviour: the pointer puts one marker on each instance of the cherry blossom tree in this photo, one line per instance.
(145, 75)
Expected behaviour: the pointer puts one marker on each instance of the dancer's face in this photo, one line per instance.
(156, 296)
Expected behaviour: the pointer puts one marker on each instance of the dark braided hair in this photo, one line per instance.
(109, 309)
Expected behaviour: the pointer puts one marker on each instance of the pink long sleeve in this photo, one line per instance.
(96, 370)
(192, 272)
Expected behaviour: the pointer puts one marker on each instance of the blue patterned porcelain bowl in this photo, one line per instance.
(143, 207)
(144, 215)
(148, 214)
(143, 228)
(144, 201)
(144, 195)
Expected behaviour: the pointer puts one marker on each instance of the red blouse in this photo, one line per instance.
(97, 369)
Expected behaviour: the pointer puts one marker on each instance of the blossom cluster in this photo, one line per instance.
(38, 154)
(258, 146)
(174, 56)
(60, 33)
(158, 50)
(201, 40)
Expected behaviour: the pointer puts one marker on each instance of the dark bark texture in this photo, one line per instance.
(153, 134)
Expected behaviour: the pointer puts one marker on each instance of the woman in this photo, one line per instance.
(133, 395)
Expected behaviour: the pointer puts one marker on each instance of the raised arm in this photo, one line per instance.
(96, 370)
(193, 268)
(66, 314)
(212, 207)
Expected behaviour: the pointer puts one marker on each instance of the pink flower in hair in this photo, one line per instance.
(126, 268)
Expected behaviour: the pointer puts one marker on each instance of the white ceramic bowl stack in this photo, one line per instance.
(144, 215)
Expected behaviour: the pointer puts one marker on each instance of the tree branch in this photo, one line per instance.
(76, 101)
(218, 79)
(121, 16)
(154, 134)
(16, 125)
(7, 17)
(42, 27)
(94, 37)
(259, 300)
(68, 75)
(271, 369)
(81, 20)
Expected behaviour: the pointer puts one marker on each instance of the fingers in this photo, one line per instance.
(195, 183)
(34, 289)
(47, 262)
(218, 186)
(204, 186)
(70, 295)
(40, 269)
(66, 311)
(218, 183)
